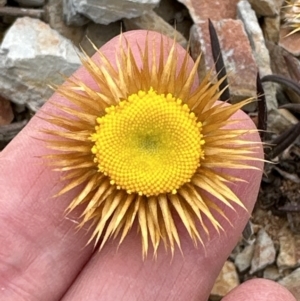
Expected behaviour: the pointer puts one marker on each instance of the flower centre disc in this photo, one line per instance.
(148, 144)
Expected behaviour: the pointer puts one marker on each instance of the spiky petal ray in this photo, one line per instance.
(112, 210)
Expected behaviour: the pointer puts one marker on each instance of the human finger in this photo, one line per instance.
(259, 290)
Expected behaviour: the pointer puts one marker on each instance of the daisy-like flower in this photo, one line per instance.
(146, 145)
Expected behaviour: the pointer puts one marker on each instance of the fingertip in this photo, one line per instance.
(259, 290)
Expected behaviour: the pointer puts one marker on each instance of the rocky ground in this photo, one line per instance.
(44, 36)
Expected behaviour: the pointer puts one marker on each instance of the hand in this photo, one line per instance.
(43, 256)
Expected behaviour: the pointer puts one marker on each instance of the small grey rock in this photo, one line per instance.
(105, 12)
(271, 272)
(226, 281)
(54, 17)
(152, 21)
(289, 252)
(71, 16)
(32, 55)
(267, 8)
(291, 282)
(257, 41)
(264, 252)
(243, 259)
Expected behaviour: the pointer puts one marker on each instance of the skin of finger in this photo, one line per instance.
(121, 273)
(41, 250)
(259, 290)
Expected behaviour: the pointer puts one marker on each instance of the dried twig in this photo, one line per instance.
(294, 107)
(284, 140)
(21, 12)
(289, 136)
(262, 108)
(219, 62)
(282, 80)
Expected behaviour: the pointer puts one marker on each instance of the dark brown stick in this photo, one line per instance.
(21, 12)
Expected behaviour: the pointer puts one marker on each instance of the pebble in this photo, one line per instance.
(201, 10)
(71, 15)
(264, 252)
(32, 55)
(272, 273)
(276, 122)
(266, 8)
(104, 12)
(152, 21)
(244, 258)
(291, 282)
(271, 27)
(55, 18)
(278, 63)
(289, 251)
(247, 15)
(227, 280)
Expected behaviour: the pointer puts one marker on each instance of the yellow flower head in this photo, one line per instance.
(145, 144)
(140, 146)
